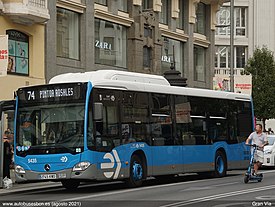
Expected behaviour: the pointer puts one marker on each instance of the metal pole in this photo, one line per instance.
(232, 45)
(1, 149)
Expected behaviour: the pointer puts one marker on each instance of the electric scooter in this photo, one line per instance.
(249, 176)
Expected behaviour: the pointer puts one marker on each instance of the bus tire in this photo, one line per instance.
(220, 164)
(70, 184)
(137, 170)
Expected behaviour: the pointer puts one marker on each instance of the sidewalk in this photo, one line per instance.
(18, 187)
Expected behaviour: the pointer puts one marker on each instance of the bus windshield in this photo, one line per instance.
(50, 129)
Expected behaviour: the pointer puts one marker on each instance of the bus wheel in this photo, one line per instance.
(70, 184)
(220, 164)
(136, 172)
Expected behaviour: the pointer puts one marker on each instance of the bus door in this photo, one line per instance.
(106, 133)
(6, 125)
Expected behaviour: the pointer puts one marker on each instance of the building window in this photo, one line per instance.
(18, 53)
(199, 63)
(123, 5)
(180, 20)
(240, 52)
(110, 43)
(67, 34)
(147, 57)
(147, 31)
(103, 2)
(200, 18)
(222, 59)
(223, 20)
(240, 21)
(171, 48)
(164, 12)
(146, 4)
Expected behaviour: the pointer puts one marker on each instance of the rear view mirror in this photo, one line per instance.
(98, 111)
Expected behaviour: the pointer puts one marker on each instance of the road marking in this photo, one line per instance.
(207, 187)
(138, 189)
(223, 195)
(134, 189)
(269, 171)
(266, 198)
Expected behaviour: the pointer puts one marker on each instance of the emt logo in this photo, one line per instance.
(110, 165)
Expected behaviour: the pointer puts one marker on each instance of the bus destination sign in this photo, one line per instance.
(51, 93)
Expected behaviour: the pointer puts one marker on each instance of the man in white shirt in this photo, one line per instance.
(258, 138)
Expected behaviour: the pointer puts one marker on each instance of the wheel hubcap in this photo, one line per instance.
(137, 171)
(220, 164)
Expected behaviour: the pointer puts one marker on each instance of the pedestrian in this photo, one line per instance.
(7, 154)
(258, 138)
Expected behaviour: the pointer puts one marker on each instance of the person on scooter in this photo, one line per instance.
(259, 139)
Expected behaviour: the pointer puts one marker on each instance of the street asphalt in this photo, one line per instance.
(186, 190)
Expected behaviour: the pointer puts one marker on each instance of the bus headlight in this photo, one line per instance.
(81, 166)
(19, 169)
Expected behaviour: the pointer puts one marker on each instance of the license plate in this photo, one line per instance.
(47, 176)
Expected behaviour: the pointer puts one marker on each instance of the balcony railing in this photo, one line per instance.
(27, 11)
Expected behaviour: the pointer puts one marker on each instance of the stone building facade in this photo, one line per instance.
(135, 35)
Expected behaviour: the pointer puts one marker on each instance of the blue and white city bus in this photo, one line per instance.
(115, 125)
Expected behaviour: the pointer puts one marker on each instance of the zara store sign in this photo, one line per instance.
(103, 45)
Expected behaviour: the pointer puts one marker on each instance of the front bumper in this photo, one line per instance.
(88, 174)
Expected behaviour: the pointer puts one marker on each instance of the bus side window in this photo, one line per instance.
(183, 120)
(134, 117)
(198, 126)
(161, 120)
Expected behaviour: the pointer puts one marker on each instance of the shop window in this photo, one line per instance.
(110, 43)
(67, 34)
(18, 53)
(171, 48)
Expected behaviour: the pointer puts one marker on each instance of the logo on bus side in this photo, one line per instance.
(110, 165)
(64, 159)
